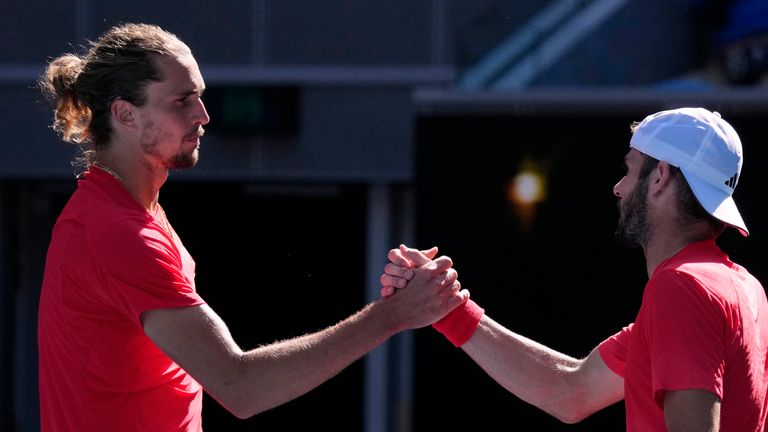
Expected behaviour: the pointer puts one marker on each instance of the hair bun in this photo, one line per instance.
(59, 84)
(62, 75)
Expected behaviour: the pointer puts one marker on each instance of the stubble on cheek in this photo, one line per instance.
(149, 139)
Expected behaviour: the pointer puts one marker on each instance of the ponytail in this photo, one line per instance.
(59, 84)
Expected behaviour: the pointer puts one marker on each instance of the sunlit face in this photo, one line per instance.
(171, 120)
(634, 224)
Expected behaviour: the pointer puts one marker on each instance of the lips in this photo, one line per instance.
(194, 137)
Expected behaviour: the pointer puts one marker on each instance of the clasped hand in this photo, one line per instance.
(434, 282)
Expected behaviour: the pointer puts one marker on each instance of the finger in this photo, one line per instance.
(430, 253)
(446, 282)
(455, 287)
(443, 263)
(450, 277)
(396, 257)
(414, 255)
(450, 290)
(398, 271)
(393, 281)
(459, 299)
(387, 291)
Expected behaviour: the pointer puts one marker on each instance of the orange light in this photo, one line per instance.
(526, 190)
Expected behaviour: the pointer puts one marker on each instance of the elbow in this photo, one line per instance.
(243, 404)
(237, 412)
(234, 395)
(575, 402)
(240, 407)
(241, 411)
(244, 408)
(570, 417)
(573, 410)
(234, 404)
(570, 410)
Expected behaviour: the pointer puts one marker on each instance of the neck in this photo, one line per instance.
(666, 243)
(141, 181)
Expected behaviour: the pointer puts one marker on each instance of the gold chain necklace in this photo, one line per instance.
(162, 221)
(110, 172)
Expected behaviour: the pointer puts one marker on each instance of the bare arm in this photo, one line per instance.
(692, 411)
(569, 389)
(249, 382)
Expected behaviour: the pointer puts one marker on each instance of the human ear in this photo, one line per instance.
(661, 177)
(123, 113)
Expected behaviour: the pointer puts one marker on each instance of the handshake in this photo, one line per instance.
(424, 290)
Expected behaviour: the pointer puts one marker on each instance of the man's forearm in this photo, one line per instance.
(554, 382)
(279, 372)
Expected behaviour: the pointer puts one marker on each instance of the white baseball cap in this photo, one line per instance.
(706, 149)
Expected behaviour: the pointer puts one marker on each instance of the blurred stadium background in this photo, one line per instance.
(494, 129)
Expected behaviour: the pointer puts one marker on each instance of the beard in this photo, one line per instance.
(183, 160)
(187, 159)
(633, 228)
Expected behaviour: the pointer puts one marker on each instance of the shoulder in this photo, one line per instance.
(701, 267)
(682, 281)
(98, 202)
(681, 299)
(130, 233)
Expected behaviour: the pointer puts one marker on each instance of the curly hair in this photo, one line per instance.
(118, 65)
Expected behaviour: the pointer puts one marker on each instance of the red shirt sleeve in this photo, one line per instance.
(143, 269)
(613, 350)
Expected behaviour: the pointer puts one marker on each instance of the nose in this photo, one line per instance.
(201, 114)
(617, 187)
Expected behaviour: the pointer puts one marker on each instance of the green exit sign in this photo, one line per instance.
(252, 110)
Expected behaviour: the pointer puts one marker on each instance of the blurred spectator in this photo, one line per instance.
(741, 44)
(730, 45)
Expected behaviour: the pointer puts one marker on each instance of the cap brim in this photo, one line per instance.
(720, 205)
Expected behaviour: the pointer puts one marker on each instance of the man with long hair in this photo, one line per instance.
(126, 343)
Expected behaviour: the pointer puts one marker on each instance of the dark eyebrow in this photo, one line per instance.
(184, 94)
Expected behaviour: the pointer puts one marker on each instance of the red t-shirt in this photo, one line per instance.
(703, 324)
(109, 260)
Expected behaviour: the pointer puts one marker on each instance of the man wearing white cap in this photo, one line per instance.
(695, 357)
